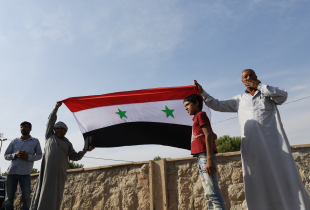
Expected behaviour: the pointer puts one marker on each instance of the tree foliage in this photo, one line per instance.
(228, 144)
(34, 171)
(72, 165)
(159, 158)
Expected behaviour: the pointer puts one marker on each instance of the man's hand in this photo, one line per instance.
(58, 104)
(215, 136)
(210, 167)
(89, 149)
(22, 154)
(18, 154)
(252, 84)
(200, 89)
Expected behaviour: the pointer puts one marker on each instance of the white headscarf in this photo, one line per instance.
(61, 124)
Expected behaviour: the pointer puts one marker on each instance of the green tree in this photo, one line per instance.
(34, 171)
(72, 165)
(228, 144)
(159, 158)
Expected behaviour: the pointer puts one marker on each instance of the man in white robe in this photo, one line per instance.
(50, 186)
(271, 177)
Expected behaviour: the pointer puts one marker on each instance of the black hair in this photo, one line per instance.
(249, 70)
(26, 123)
(193, 98)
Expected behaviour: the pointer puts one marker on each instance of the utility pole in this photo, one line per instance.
(2, 140)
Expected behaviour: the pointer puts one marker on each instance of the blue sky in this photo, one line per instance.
(52, 50)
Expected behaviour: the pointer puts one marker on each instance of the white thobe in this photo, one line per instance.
(271, 177)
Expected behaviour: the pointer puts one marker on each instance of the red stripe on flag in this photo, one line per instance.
(76, 104)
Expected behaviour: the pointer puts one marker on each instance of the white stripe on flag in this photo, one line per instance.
(96, 118)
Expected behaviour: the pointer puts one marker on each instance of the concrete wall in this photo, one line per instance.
(161, 185)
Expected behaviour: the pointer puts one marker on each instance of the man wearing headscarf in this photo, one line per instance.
(50, 185)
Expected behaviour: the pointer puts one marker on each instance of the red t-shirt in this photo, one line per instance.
(198, 144)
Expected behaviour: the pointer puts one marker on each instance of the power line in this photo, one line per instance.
(296, 100)
(3, 162)
(282, 104)
(108, 159)
(225, 120)
(87, 162)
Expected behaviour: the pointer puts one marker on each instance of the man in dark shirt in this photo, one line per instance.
(204, 149)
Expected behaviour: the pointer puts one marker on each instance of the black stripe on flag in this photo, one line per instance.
(139, 133)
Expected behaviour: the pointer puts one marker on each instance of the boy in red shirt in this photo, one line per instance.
(204, 149)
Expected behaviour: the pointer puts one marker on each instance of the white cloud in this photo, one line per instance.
(220, 83)
(3, 39)
(152, 28)
(299, 87)
(275, 74)
(295, 123)
(42, 24)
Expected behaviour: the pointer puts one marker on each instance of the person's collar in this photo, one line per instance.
(196, 115)
(63, 138)
(30, 138)
(246, 91)
(256, 92)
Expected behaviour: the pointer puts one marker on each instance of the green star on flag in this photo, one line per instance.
(121, 114)
(169, 112)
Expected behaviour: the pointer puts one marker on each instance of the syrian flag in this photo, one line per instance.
(149, 116)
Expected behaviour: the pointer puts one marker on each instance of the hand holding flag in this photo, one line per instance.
(89, 149)
(198, 86)
(58, 104)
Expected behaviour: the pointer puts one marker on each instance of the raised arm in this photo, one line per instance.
(52, 120)
(38, 153)
(229, 105)
(279, 95)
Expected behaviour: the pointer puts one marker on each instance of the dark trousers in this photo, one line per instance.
(11, 186)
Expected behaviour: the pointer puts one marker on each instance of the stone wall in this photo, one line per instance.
(172, 184)
(185, 191)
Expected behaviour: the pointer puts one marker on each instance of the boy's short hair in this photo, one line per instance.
(26, 123)
(193, 98)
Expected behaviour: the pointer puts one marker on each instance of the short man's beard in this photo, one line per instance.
(25, 132)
